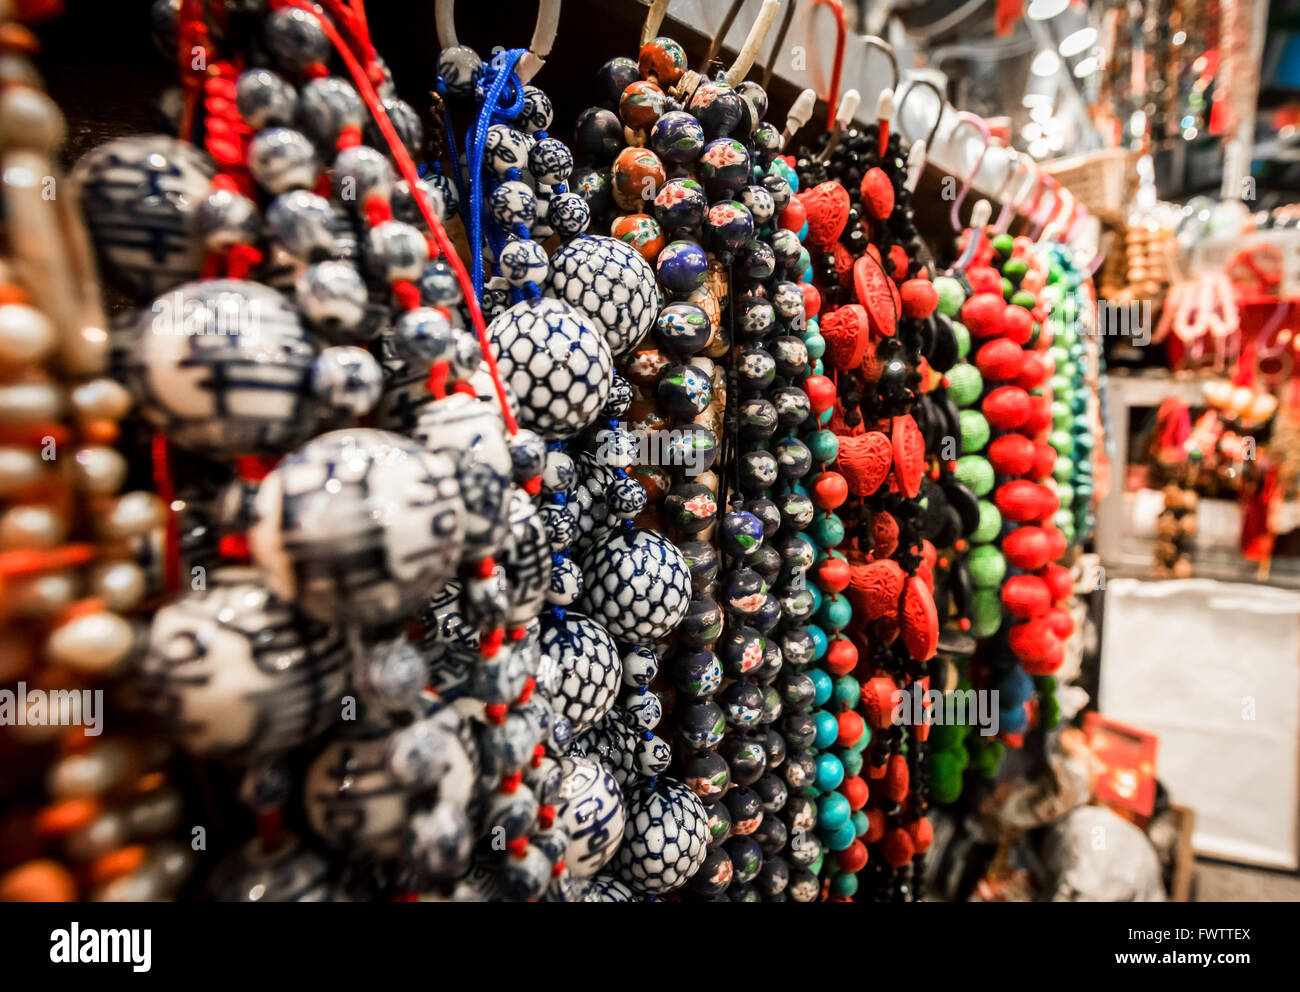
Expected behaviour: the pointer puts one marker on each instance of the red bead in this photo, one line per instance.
(829, 490)
(875, 826)
(821, 392)
(922, 834)
(853, 858)
(898, 848)
(841, 656)
(851, 728)
(794, 216)
(833, 575)
(856, 791)
(812, 299)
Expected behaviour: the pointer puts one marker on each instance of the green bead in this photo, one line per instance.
(1004, 245)
(864, 741)
(975, 473)
(951, 295)
(945, 777)
(974, 432)
(985, 613)
(1044, 684)
(1015, 269)
(851, 760)
(1008, 288)
(816, 345)
(963, 338)
(847, 691)
(826, 530)
(1064, 519)
(825, 417)
(1023, 299)
(1060, 356)
(990, 525)
(861, 822)
(1064, 472)
(824, 445)
(945, 736)
(987, 566)
(1061, 441)
(965, 384)
(1065, 493)
(816, 866)
(1061, 415)
(1049, 712)
(844, 884)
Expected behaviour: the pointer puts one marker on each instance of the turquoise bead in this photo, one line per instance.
(833, 811)
(830, 773)
(847, 691)
(864, 741)
(823, 686)
(860, 822)
(803, 233)
(819, 641)
(827, 530)
(844, 884)
(816, 345)
(839, 838)
(851, 760)
(816, 594)
(826, 729)
(835, 612)
(824, 445)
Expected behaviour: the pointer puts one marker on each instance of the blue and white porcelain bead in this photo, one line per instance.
(558, 473)
(550, 161)
(612, 284)
(332, 295)
(228, 218)
(439, 286)
(620, 398)
(264, 99)
(626, 498)
(665, 840)
(590, 806)
(561, 525)
(348, 380)
(640, 666)
(645, 708)
(527, 455)
(449, 195)
(637, 584)
(296, 38)
(396, 251)
(496, 297)
(326, 107)
(760, 203)
(407, 210)
(589, 668)
(504, 149)
(566, 583)
(423, 336)
(513, 203)
(653, 755)
(568, 215)
(537, 113)
(361, 172)
(522, 262)
(303, 224)
(406, 122)
(460, 68)
(616, 447)
(281, 159)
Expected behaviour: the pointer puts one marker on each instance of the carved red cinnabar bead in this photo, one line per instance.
(1013, 454)
(898, 778)
(919, 298)
(878, 701)
(922, 834)
(1006, 408)
(848, 333)
(899, 263)
(874, 588)
(876, 292)
(884, 532)
(877, 193)
(1000, 360)
(1026, 596)
(920, 620)
(828, 208)
(864, 461)
(909, 455)
(982, 315)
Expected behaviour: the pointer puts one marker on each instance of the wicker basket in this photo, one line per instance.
(1098, 180)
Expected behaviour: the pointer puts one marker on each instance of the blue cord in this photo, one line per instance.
(497, 75)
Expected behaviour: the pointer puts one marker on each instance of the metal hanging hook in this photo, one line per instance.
(981, 126)
(902, 102)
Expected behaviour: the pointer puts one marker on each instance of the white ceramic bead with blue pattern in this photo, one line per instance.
(589, 666)
(611, 283)
(590, 805)
(665, 840)
(637, 584)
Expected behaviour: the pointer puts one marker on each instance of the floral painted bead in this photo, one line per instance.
(460, 68)
(396, 251)
(791, 356)
(682, 328)
(360, 173)
(680, 205)
(758, 471)
(757, 418)
(522, 262)
(332, 295)
(642, 232)
(513, 203)
(677, 137)
(756, 260)
(438, 285)
(779, 186)
(702, 724)
(724, 167)
(626, 498)
(728, 225)
(759, 203)
(327, 106)
(741, 533)
(793, 458)
(718, 107)
(550, 161)
(792, 405)
(788, 299)
(694, 447)
(684, 390)
(348, 380)
(683, 266)
(296, 38)
(766, 139)
(228, 218)
(641, 104)
(786, 246)
(423, 335)
(264, 99)
(755, 370)
(537, 113)
(691, 506)
(756, 316)
(504, 149)
(702, 560)
(568, 214)
(663, 60)
(281, 159)
(637, 174)
(616, 75)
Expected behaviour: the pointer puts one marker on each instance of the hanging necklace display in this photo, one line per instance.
(75, 552)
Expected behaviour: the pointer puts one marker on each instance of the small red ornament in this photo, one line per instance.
(821, 392)
(875, 826)
(841, 656)
(1040, 415)
(864, 461)
(812, 299)
(1059, 619)
(877, 292)
(899, 263)
(1059, 582)
(898, 848)
(1036, 370)
(851, 728)
(1034, 643)
(853, 858)
(1044, 460)
(919, 298)
(877, 193)
(897, 778)
(1023, 501)
(1017, 324)
(833, 574)
(884, 532)
(982, 315)
(920, 620)
(909, 455)
(1026, 596)
(984, 279)
(1027, 548)
(1006, 408)
(875, 588)
(878, 701)
(1056, 541)
(922, 834)
(829, 490)
(828, 208)
(1000, 360)
(1013, 454)
(794, 216)
(847, 333)
(855, 789)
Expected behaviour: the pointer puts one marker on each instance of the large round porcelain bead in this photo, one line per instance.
(590, 807)
(460, 67)
(303, 223)
(612, 284)
(264, 99)
(296, 38)
(556, 362)
(239, 673)
(326, 106)
(665, 839)
(281, 159)
(522, 262)
(504, 149)
(613, 741)
(472, 434)
(361, 172)
(141, 197)
(359, 524)
(224, 368)
(348, 380)
(332, 295)
(352, 799)
(590, 668)
(637, 584)
(537, 113)
(396, 251)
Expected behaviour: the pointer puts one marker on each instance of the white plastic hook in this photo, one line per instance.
(843, 117)
(753, 42)
(915, 164)
(800, 113)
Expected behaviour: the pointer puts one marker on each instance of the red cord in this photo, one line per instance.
(162, 482)
(407, 168)
(837, 68)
